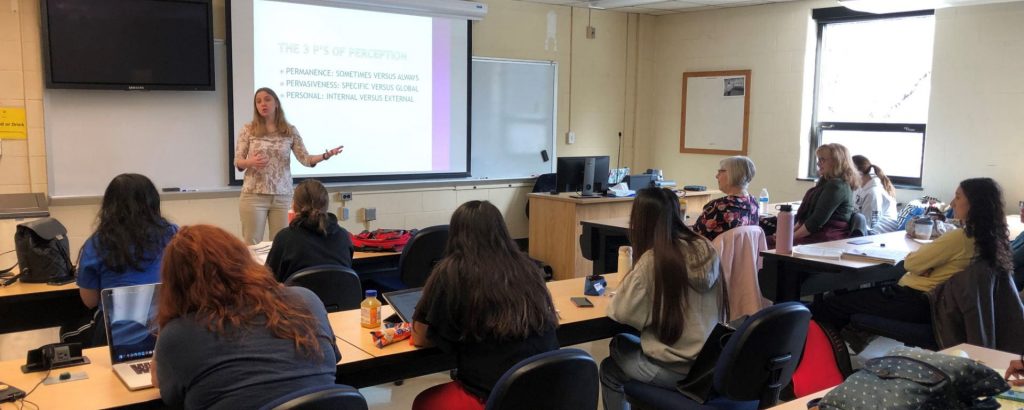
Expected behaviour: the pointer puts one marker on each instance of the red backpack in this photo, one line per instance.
(825, 362)
(382, 240)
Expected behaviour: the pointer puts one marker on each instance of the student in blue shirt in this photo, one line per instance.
(129, 241)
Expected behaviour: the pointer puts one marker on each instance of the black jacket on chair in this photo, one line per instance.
(978, 306)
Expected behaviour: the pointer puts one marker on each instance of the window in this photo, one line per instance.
(872, 85)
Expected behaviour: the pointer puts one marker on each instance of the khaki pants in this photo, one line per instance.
(256, 209)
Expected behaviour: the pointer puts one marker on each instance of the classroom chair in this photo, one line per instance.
(858, 225)
(756, 363)
(978, 306)
(331, 396)
(418, 258)
(337, 286)
(559, 379)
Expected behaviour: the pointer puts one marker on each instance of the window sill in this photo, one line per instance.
(897, 186)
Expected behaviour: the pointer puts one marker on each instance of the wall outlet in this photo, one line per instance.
(591, 32)
(346, 196)
(369, 214)
(344, 214)
(570, 137)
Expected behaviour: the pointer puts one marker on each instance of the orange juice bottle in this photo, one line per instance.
(370, 310)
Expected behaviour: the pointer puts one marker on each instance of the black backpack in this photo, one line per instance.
(43, 252)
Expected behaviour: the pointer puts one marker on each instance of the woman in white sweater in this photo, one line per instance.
(673, 296)
(875, 199)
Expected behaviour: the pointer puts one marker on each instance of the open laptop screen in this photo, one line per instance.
(404, 302)
(129, 313)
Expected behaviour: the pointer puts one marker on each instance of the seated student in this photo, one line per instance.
(231, 337)
(737, 207)
(485, 301)
(825, 210)
(875, 198)
(673, 296)
(312, 238)
(978, 203)
(127, 246)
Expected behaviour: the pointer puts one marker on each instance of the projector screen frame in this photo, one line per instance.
(418, 177)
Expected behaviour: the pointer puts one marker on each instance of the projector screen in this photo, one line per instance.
(392, 88)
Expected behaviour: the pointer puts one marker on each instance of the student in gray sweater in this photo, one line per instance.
(232, 337)
(673, 295)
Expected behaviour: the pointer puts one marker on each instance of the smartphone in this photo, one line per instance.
(10, 393)
(63, 281)
(581, 302)
(1011, 395)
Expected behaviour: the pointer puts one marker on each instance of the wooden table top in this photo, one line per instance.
(891, 241)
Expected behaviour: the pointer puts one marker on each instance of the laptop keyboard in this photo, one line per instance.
(140, 368)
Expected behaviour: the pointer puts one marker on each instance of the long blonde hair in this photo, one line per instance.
(843, 168)
(280, 122)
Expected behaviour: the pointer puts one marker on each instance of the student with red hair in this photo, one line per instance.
(230, 335)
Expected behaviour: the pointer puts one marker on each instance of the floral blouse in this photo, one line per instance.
(276, 177)
(725, 213)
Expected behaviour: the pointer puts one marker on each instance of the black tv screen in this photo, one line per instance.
(128, 44)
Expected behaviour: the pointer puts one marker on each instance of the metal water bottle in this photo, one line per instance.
(784, 230)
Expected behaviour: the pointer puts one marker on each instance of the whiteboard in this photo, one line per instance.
(513, 118)
(180, 138)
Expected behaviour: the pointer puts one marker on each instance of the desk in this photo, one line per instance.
(787, 277)
(600, 241)
(402, 360)
(555, 226)
(989, 357)
(362, 364)
(30, 306)
(102, 389)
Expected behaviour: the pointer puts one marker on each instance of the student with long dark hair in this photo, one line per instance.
(312, 238)
(486, 302)
(231, 336)
(978, 204)
(674, 296)
(129, 241)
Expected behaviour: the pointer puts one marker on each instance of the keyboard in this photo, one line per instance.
(140, 368)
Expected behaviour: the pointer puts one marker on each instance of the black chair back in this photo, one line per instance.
(559, 379)
(759, 359)
(337, 286)
(337, 396)
(421, 254)
(858, 225)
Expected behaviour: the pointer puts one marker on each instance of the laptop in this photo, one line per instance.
(129, 313)
(404, 302)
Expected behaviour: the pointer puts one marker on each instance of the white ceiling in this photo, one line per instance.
(657, 7)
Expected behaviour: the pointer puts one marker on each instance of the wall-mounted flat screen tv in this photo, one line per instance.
(128, 44)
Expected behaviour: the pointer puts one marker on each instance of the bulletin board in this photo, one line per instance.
(716, 112)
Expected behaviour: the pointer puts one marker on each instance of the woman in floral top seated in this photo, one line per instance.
(737, 207)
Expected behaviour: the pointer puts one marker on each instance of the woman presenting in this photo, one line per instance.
(262, 152)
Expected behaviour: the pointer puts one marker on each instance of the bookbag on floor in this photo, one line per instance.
(382, 240)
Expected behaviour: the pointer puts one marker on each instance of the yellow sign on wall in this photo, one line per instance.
(12, 123)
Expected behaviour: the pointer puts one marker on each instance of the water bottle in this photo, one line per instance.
(784, 230)
(625, 259)
(763, 200)
(369, 310)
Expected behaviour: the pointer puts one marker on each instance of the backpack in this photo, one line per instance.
(43, 251)
(825, 362)
(382, 240)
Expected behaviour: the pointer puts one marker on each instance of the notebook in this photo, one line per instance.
(129, 313)
(879, 255)
(404, 302)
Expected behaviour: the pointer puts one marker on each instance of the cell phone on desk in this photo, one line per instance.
(61, 281)
(581, 302)
(1012, 395)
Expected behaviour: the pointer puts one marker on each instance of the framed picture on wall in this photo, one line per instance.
(716, 112)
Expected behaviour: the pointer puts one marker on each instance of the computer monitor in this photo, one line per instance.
(570, 175)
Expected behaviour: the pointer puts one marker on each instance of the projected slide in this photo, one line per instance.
(391, 88)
